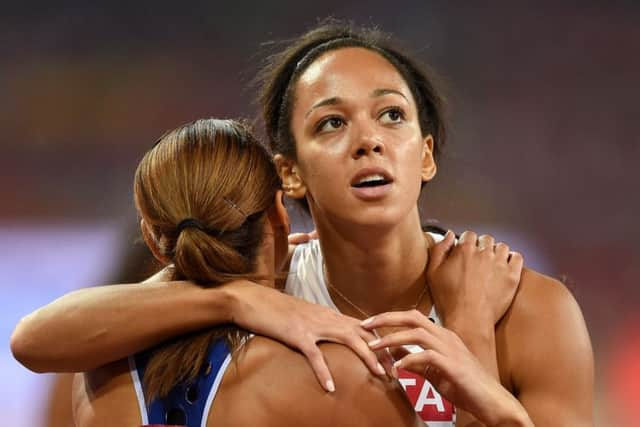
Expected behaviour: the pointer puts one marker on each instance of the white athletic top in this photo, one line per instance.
(306, 276)
(306, 280)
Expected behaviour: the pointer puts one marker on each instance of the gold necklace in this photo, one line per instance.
(352, 304)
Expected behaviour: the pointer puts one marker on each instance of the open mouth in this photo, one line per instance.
(374, 180)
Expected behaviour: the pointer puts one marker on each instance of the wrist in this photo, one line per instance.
(235, 301)
(512, 415)
(225, 302)
(473, 333)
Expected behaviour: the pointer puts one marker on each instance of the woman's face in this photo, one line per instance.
(360, 153)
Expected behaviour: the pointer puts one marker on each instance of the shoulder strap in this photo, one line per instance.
(186, 404)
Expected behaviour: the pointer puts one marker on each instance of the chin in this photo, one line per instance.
(379, 217)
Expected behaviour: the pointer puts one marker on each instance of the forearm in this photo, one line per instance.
(90, 327)
(497, 408)
(479, 339)
(481, 342)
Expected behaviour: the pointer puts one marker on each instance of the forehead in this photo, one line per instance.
(349, 71)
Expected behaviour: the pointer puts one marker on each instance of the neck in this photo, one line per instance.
(376, 270)
(265, 261)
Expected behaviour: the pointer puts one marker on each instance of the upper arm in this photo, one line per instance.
(35, 340)
(551, 359)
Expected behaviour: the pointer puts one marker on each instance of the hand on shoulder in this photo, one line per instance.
(473, 281)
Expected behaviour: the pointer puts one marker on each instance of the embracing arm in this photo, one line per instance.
(473, 283)
(447, 363)
(89, 327)
(549, 353)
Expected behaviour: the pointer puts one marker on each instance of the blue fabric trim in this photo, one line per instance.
(182, 399)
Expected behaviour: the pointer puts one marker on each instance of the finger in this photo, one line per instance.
(313, 234)
(516, 261)
(410, 318)
(468, 238)
(501, 250)
(418, 362)
(386, 360)
(416, 337)
(298, 238)
(486, 242)
(365, 334)
(319, 367)
(384, 356)
(358, 344)
(440, 250)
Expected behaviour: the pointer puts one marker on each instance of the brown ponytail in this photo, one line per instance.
(215, 174)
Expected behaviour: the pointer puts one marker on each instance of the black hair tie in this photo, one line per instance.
(190, 223)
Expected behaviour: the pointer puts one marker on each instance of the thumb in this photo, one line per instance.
(440, 250)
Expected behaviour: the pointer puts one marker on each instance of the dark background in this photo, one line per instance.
(543, 151)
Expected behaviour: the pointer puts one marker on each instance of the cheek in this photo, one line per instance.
(410, 158)
(319, 174)
(410, 147)
(318, 161)
(322, 177)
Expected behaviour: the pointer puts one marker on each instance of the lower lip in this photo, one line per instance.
(372, 193)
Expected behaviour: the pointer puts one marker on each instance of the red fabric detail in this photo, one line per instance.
(426, 401)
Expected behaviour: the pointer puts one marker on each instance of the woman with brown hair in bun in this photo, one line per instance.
(211, 210)
(356, 126)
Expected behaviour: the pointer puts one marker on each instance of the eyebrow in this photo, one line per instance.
(382, 92)
(337, 100)
(329, 101)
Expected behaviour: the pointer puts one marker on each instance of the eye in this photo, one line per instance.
(330, 124)
(392, 115)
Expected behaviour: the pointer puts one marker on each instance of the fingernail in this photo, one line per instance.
(374, 342)
(330, 386)
(394, 369)
(367, 321)
(381, 370)
(448, 233)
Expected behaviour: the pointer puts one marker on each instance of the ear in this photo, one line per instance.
(429, 167)
(292, 184)
(278, 215)
(152, 242)
(279, 221)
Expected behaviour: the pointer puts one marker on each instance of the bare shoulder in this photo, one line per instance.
(538, 289)
(284, 390)
(543, 303)
(545, 354)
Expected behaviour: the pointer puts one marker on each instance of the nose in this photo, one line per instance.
(367, 141)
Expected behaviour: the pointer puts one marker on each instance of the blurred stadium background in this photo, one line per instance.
(544, 146)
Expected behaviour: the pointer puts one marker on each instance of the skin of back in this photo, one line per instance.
(278, 383)
(105, 397)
